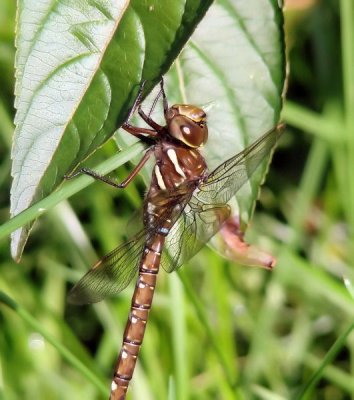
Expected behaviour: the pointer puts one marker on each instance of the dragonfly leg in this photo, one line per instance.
(137, 101)
(154, 125)
(93, 174)
(109, 180)
(146, 117)
(137, 106)
(164, 97)
(152, 108)
(139, 132)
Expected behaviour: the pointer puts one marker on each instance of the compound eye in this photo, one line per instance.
(188, 132)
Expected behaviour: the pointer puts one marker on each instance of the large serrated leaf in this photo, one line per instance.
(78, 67)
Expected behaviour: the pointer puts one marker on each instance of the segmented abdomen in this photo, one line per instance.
(139, 313)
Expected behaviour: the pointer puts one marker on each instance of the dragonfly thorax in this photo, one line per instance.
(187, 123)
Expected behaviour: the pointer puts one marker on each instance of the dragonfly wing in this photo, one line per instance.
(114, 272)
(223, 183)
(197, 224)
(207, 209)
(111, 274)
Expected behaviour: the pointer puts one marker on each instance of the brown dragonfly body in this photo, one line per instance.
(175, 165)
(184, 207)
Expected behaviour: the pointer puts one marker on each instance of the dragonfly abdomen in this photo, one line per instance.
(138, 316)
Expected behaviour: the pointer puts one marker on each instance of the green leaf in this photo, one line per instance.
(78, 68)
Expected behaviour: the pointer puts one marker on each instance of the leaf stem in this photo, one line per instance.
(331, 354)
(347, 31)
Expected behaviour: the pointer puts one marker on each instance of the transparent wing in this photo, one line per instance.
(135, 222)
(114, 272)
(197, 224)
(229, 177)
(111, 274)
(207, 209)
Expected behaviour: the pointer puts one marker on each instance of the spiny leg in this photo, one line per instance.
(161, 92)
(154, 125)
(156, 99)
(164, 97)
(147, 117)
(111, 181)
(139, 132)
(137, 101)
(136, 131)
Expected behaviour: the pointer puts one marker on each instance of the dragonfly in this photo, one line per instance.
(184, 207)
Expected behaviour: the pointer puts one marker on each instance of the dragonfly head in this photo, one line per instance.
(187, 124)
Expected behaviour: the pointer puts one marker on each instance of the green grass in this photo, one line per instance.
(217, 330)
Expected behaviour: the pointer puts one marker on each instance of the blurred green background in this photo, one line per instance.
(272, 333)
